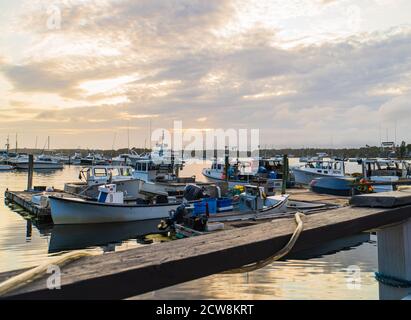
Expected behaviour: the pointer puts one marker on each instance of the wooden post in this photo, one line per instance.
(394, 259)
(226, 163)
(285, 174)
(30, 173)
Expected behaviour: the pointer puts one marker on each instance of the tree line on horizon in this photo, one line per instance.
(402, 151)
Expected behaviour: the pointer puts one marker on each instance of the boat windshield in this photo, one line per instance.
(100, 172)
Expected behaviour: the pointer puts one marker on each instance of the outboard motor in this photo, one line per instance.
(176, 216)
(193, 192)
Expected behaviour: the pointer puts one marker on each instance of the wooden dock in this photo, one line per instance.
(24, 200)
(306, 195)
(126, 274)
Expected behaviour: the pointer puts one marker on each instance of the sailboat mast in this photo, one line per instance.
(128, 137)
(16, 144)
(8, 144)
(149, 137)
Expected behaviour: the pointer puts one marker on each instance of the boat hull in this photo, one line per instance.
(278, 209)
(305, 177)
(5, 167)
(333, 186)
(77, 211)
(40, 166)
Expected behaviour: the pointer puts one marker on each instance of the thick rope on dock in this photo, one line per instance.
(30, 275)
(280, 254)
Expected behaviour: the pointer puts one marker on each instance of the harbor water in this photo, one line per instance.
(322, 275)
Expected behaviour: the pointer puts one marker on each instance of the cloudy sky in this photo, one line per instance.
(305, 72)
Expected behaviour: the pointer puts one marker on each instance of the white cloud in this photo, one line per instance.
(302, 71)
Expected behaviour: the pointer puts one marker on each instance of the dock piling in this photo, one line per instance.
(285, 174)
(30, 173)
(394, 260)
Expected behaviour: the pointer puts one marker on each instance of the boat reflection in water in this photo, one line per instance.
(74, 237)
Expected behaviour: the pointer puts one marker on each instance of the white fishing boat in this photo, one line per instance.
(93, 159)
(304, 174)
(241, 171)
(270, 207)
(121, 160)
(160, 171)
(5, 158)
(76, 158)
(42, 162)
(129, 159)
(265, 172)
(109, 208)
(80, 211)
(385, 170)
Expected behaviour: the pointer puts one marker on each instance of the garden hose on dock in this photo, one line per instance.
(37, 272)
(280, 254)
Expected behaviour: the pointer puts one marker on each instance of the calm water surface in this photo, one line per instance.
(23, 244)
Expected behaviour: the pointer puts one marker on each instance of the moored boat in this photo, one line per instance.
(40, 163)
(304, 174)
(6, 167)
(65, 210)
(246, 171)
(341, 186)
(385, 171)
(253, 204)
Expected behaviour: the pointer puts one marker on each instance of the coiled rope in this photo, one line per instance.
(37, 272)
(280, 254)
(392, 281)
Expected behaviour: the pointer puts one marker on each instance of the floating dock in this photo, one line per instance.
(121, 275)
(24, 200)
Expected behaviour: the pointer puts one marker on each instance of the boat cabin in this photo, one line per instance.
(271, 168)
(252, 199)
(372, 168)
(105, 174)
(331, 167)
(147, 170)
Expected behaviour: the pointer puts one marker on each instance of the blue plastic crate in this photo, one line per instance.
(212, 205)
(224, 204)
(199, 208)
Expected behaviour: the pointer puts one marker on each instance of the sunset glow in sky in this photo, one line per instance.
(306, 73)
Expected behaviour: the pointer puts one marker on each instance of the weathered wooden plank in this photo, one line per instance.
(382, 200)
(125, 274)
